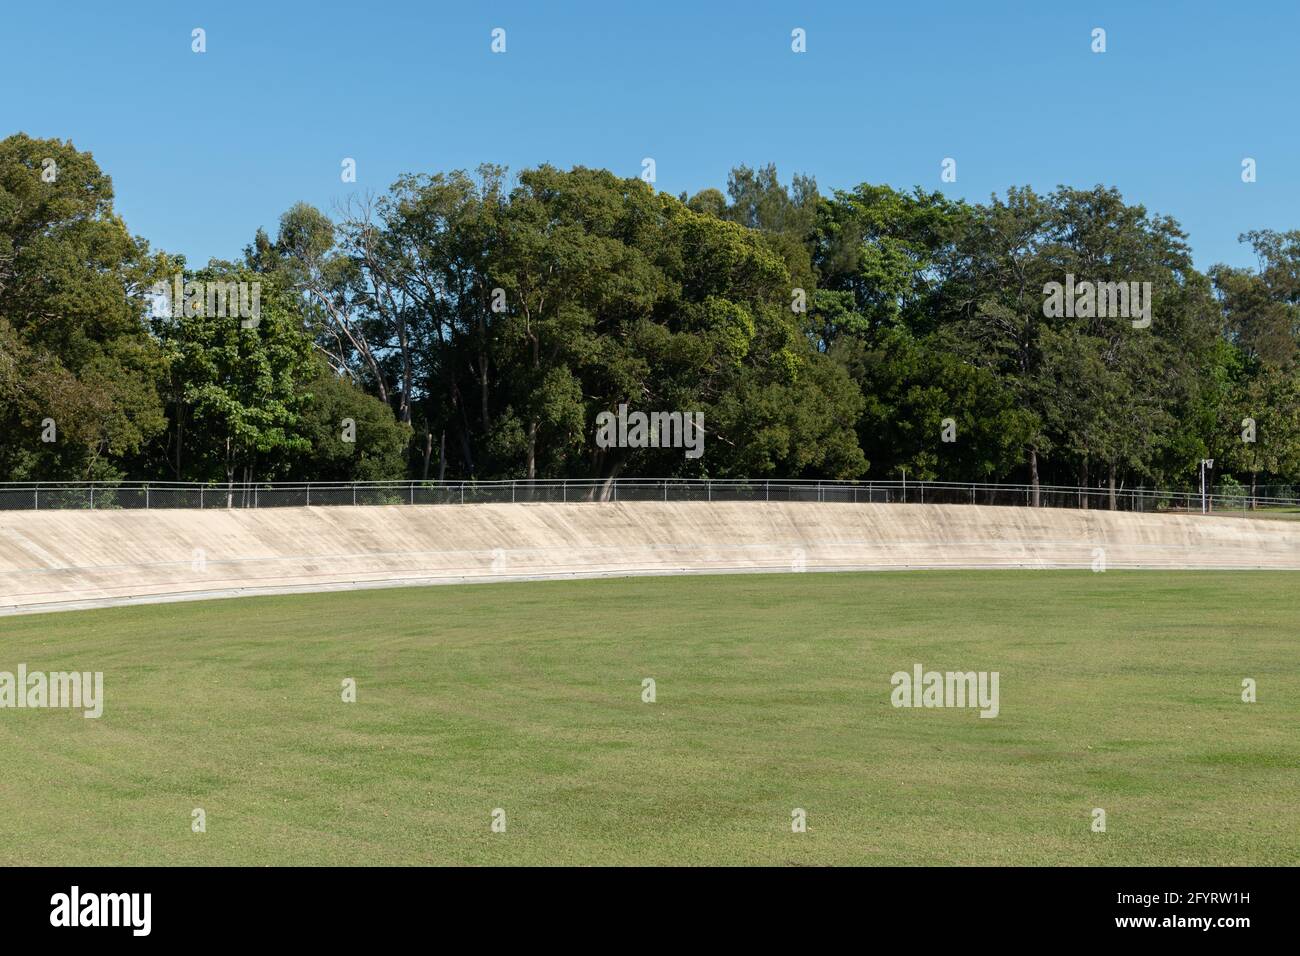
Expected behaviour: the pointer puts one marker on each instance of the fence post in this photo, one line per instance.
(309, 494)
(201, 498)
(354, 493)
(146, 497)
(708, 487)
(462, 492)
(972, 493)
(512, 492)
(92, 497)
(768, 489)
(36, 500)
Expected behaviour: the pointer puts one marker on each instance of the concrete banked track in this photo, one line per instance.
(59, 560)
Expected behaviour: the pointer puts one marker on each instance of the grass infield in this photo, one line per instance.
(1119, 691)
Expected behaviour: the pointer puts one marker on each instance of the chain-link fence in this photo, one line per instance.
(42, 496)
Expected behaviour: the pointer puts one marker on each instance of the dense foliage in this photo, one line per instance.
(474, 326)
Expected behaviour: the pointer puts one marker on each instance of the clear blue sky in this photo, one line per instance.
(203, 149)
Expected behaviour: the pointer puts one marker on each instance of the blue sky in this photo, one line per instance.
(203, 149)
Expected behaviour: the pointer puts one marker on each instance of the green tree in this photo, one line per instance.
(71, 318)
(241, 383)
(352, 436)
(921, 394)
(992, 301)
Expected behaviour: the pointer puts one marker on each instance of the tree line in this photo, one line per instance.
(474, 325)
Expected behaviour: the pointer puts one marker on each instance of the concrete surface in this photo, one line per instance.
(58, 560)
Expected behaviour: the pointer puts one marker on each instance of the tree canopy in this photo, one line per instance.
(475, 324)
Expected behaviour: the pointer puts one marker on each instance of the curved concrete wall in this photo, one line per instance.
(65, 559)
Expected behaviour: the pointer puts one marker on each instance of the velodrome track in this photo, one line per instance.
(62, 560)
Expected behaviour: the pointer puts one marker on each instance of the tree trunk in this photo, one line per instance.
(483, 388)
(428, 453)
(180, 435)
(1113, 504)
(464, 431)
(1083, 483)
(532, 450)
(407, 375)
(1033, 473)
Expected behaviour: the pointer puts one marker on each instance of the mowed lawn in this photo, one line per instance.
(1119, 691)
(1282, 513)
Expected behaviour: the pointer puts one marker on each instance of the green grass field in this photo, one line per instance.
(1118, 690)
(1280, 513)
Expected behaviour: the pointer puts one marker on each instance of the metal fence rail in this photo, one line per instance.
(41, 496)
